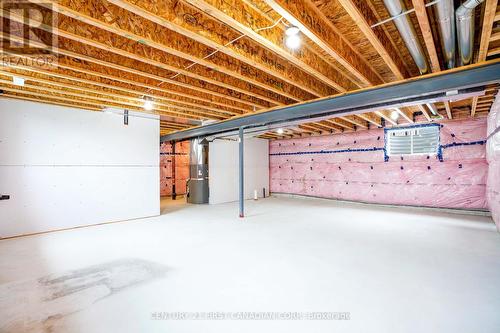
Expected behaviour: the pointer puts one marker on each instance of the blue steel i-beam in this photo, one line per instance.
(242, 189)
(412, 91)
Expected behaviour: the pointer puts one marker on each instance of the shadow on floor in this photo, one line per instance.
(37, 305)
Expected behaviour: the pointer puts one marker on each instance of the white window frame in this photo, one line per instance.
(413, 131)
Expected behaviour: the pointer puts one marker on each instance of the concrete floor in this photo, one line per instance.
(392, 270)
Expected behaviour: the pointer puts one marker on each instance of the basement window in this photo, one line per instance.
(421, 140)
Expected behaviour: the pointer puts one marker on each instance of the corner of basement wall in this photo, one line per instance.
(493, 158)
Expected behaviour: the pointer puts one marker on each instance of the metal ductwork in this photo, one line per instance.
(445, 12)
(397, 9)
(465, 27)
(198, 172)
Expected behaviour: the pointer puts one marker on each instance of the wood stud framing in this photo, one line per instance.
(216, 59)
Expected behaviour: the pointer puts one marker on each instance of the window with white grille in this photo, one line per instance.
(423, 140)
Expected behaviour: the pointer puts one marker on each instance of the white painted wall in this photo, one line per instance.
(223, 169)
(66, 167)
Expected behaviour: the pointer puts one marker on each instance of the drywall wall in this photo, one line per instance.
(223, 169)
(493, 156)
(351, 166)
(65, 167)
(181, 161)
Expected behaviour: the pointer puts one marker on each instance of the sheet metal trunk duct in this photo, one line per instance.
(445, 12)
(407, 32)
(465, 27)
(198, 172)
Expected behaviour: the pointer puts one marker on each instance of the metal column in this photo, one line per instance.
(174, 194)
(242, 189)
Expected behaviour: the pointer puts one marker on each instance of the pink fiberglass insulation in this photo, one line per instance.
(493, 157)
(327, 166)
(181, 167)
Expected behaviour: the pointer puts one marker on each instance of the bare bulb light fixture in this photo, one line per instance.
(292, 38)
(148, 104)
(394, 115)
(280, 131)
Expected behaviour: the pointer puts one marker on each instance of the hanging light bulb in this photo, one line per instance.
(292, 39)
(292, 30)
(148, 104)
(280, 131)
(394, 115)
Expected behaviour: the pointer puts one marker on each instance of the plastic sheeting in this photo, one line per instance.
(351, 166)
(493, 156)
(181, 167)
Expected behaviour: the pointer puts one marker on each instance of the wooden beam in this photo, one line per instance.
(119, 47)
(317, 27)
(322, 128)
(448, 107)
(40, 99)
(484, 43)
(42, 96)
(489, 15)
(407, 115)
(387, 117)
(363, 16)
(344, 125)
(494, 51)
(204, 93)
(105, 96)
(495, 36)
(424, 111)
(355, 121)
(74, 85)
(328, 124)
(370, 118)
(311, 129)
(141, 31)
(246, 20)
(425, 28)
(178, 17)
(103, 100)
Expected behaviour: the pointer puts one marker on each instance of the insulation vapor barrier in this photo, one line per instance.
(493, 156)
(181, 159)
(354, 166)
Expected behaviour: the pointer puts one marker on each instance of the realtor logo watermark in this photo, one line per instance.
(27, 28)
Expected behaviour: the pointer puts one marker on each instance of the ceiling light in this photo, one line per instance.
(292, 30)
(293, 42)
(394, 115)
(280, 131)
(148, 104)
(18, 81)
(292, 39)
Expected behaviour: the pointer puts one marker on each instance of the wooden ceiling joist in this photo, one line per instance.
(306, 16)
(101, 100)
(364, 17)
(425, 28)
(246, 20)
(407, 115)
(122, 47)
(484, 43)
(342, 124)
(329, 124)
(182, 19)
(49, 101)
(136, 28)
(94, 90)
(355, 121)
(206, 92)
